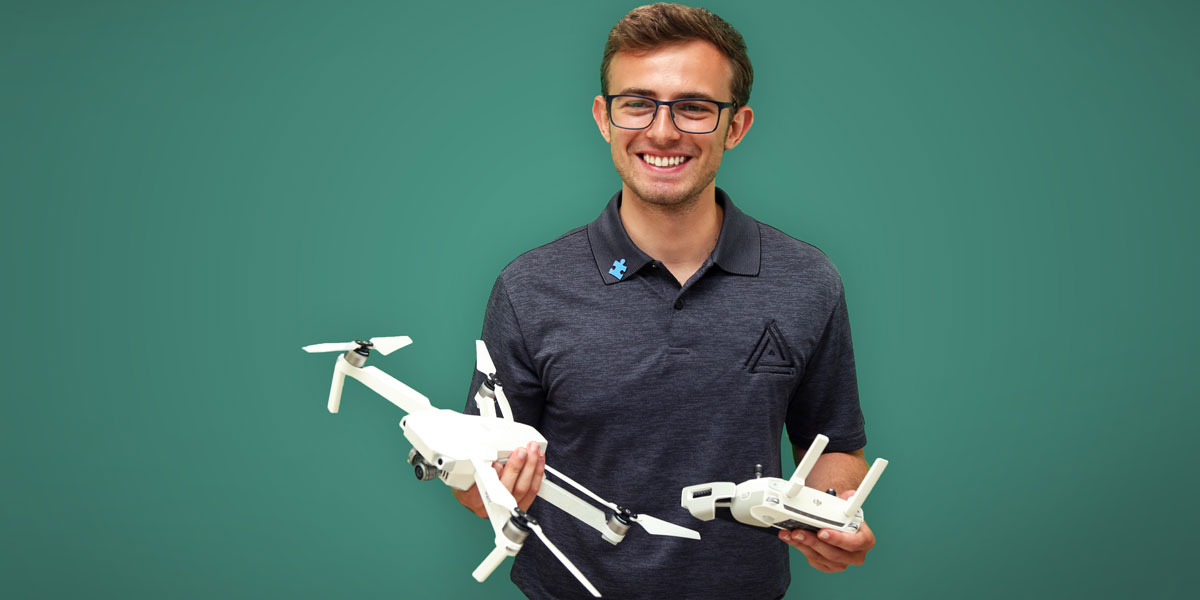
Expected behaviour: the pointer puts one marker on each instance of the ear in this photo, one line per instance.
(738, 126)
(600, 113)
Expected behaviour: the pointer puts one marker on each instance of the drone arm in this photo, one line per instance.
(573, 505)
(489, 564)
(487, 407)
(409, 400)
(335, 390)
(558, 496)
(578, 486)
(497, 500)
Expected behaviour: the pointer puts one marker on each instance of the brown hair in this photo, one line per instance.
(654, 25)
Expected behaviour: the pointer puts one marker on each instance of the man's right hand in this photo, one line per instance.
(521, 474)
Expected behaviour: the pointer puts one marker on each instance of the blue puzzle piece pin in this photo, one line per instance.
(618, 269)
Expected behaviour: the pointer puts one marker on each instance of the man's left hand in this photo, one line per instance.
(830, 550)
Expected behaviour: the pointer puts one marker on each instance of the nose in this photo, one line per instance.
(663, 127)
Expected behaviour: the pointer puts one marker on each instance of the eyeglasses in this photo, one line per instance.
(690, 115)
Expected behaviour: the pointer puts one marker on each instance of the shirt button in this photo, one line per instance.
(679, 304)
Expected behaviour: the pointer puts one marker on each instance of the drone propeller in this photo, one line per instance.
(384, 345)
(652, 525)
(483, 360)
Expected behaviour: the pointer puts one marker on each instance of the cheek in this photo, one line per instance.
(618, 141)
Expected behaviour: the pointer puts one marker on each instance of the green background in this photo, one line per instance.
(192, 191)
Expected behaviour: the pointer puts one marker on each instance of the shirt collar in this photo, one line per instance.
(738, 248)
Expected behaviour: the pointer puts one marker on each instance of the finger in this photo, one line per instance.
(540, 473)
(795, 537)
(800, 540)
(818, 562)
(512, 468)
(525, 477)
(861, 541)
(536, 464)
(471, 500)
(832, 553)
(792, 538)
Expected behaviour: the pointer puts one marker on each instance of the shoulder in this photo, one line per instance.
(787, 258)
(564, 257)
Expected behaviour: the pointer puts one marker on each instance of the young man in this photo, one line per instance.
(670, 341)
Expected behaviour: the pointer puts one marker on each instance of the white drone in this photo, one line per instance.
(459, 449)
(774, 502)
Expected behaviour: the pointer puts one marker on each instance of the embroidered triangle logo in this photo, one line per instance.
(771, 355)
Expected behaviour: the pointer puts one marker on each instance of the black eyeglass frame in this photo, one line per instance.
(670, 104)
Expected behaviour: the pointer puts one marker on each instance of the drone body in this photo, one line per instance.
(444, 442)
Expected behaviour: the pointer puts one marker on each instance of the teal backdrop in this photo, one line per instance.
(194, 190)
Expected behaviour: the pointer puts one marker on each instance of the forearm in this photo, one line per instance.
(837, 470)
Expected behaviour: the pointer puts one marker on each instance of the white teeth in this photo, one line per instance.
(663, 161)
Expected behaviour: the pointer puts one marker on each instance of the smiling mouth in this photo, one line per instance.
(664, 161)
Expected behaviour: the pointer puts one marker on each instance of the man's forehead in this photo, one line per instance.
(694, 68)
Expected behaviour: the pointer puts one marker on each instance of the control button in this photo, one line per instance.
(679, 304)
(831, 492)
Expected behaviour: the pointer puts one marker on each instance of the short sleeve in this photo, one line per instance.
(506, 345)
(826, 401)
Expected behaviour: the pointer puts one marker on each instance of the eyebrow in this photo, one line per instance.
(651, 94)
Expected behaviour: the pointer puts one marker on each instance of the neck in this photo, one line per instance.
(681, 236)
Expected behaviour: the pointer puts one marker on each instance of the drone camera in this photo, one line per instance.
(425, 472)
(422, 469)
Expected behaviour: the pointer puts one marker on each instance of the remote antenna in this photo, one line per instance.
(806, 465)
(868, 482)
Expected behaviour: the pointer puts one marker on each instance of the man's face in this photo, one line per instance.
(694, 69)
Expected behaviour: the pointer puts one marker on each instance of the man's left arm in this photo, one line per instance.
(830, 550)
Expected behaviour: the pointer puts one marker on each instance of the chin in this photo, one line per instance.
(672, 196)
(667, 199)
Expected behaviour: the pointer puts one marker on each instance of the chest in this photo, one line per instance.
(728, 347)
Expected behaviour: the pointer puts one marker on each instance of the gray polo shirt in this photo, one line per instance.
(643, 386)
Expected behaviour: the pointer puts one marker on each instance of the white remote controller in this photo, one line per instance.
(784, 504)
